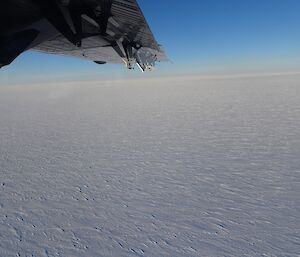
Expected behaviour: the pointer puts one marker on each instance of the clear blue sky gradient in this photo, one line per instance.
(199, 36)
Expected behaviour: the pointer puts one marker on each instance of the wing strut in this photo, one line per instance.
(77, 8)
(54, 15)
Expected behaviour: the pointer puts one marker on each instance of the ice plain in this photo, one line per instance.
(154, 167)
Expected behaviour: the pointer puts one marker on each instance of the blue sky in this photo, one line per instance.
(199, 36)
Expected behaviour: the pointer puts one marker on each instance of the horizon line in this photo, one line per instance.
(201, 77)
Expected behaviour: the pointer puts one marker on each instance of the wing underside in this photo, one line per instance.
(126, 23)
(104, 31)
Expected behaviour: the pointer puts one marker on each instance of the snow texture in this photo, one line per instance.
(156, 167)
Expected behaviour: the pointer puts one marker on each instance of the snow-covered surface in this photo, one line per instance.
(180, 167)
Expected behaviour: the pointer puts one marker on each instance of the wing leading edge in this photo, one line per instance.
(104, 31)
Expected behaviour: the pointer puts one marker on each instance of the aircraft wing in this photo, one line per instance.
(104, 31)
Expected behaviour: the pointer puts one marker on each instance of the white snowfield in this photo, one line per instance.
(173, 167)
